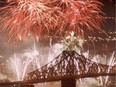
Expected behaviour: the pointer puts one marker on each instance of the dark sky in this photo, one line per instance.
(109, 10)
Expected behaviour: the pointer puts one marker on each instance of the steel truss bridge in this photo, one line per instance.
(66, 67)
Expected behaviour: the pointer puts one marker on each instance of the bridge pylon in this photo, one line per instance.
(69, 82)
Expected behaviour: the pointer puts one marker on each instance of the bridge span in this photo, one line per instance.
(66, 67)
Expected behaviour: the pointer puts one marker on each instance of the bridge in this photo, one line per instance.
(66, 67)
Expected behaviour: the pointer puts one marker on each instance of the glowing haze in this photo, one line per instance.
(40, 18)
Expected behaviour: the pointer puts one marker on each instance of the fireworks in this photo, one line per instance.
(16, 65)
(81, 15)
(20, 64)
(112, 62)
(42, 18)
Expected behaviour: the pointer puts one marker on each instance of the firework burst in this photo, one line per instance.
(42, 18)
(81, 15)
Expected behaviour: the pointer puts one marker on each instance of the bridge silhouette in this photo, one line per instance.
(66, 67)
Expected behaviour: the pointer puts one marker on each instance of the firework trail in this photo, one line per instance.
(112, 62)
(42, 18)
(20, 65)
(16, 65)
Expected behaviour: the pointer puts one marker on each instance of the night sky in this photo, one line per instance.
(8, 48)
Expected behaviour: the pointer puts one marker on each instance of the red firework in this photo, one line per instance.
(48, 17)
(81, 15)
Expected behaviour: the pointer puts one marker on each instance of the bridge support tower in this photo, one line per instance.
(68, 82)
